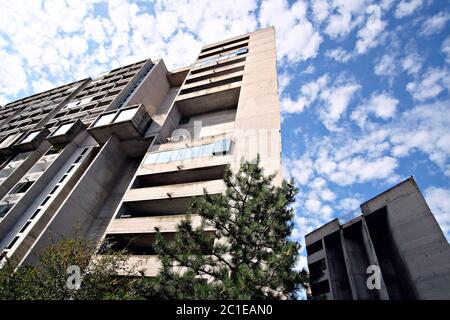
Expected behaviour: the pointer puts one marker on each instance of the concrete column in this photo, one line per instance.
(348, 267)
(373, 259)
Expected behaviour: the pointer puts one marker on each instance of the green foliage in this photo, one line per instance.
(48, 280)
(252, 256)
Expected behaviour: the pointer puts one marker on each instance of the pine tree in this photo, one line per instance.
(250, 255)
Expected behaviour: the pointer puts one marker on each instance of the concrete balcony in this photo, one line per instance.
(165, 200)
(148, 224)
(193, 77)
(221, 97)
(174, 191)
(125, 123)
(212, 80)
(222, 49)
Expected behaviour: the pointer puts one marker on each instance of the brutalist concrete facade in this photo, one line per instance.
(397, 233)
(116, 156)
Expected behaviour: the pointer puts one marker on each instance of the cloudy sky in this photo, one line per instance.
(364, 85)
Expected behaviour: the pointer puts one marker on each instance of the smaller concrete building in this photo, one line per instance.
(396, 234)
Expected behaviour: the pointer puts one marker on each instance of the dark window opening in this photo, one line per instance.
(54, 150)
(53, 190)
(314, 247)
(319, 288)
(22, 187)
(4, 208)
(12, 242)
(317, 270)
(45, 200)
(35, 214)
(184, 121)
(25, 227)
(143, 243)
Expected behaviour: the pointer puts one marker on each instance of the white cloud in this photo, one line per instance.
(300, 169)
(13, 77)
(309, 92)
(348, 204)
(371, 34)
(336, 100)
(321, 10)
(339, 54)
(297, 40)
(386, 66)
(360, 170)
(283, 81)
(381, 105)
(412, 63)
(424, 128)
(407, 7)
(445, 48)
(347, 14)
(439, 201)
(432, 83)
(434, 24)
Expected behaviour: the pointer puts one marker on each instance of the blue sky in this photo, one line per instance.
(364, 85)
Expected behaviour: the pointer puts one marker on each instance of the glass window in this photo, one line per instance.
(241, 51)
(8, 140)
(207, 150)
(85, 100)
(71, 104)
(194, 152)
(62, 129)
(104, 120)
(164, 156)
(22, 187)
(4, 208)
(126, 115)
(151, 158)
(30, 137)
(222, 147)
(178, 154)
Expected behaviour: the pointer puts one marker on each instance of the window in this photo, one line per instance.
(62, 129)
(4, 208)
(9, 140)
(218, 148)
(25, 227)
(11, 244)
(222, 147)
(22, 187)
(45, 200)
(35, 214)
(184, 121)
(207, 150)
(178, 155)
(30, 137)
(314, 247)
(54, 190)
(164, 156)
(104, 120)
(54, 150)
(194, 152)
(241, 51)
(126, 115)
(151, 158)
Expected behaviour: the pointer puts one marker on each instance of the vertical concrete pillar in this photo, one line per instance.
(373, 259)
(348, 267)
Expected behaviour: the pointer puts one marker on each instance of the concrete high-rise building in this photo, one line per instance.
(396, 239)
(112, 158)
